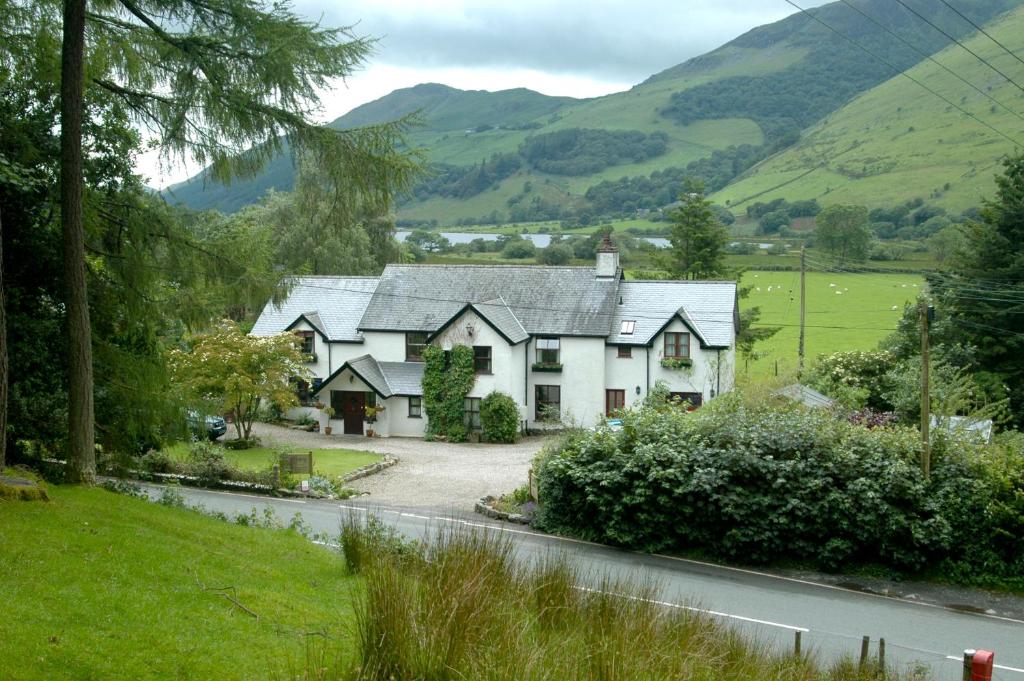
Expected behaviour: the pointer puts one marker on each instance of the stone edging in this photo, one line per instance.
(370, 469)
(483, 507)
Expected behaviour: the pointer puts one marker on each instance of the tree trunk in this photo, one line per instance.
(81, 454)
(3, 358)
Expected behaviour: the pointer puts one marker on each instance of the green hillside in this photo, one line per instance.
(897, 142)
(714, 116)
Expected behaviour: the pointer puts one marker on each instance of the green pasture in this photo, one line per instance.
(844, 312)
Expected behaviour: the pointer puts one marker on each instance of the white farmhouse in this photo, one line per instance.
(577, 341)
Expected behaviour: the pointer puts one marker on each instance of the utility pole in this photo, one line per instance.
(803, 309)
(926, 446)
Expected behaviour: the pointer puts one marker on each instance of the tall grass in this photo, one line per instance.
(460, 606)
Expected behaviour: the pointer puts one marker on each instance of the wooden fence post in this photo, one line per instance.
(864, 645)
(881, 657)
(796, 642)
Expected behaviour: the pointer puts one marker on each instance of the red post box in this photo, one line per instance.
(981, 665)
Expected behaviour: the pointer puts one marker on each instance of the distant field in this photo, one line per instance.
(854, 314)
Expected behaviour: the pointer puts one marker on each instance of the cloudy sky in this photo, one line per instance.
(579, 48)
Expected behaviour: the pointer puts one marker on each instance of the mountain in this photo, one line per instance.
(898, 142)
(521, 155)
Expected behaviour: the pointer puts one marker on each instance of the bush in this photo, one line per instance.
(206, 462)
(518, 249)
(762, 484)
(158, 461)
(242, 443)
(499, 417)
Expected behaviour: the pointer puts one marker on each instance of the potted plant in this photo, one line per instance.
(370, 417)
(329, 413)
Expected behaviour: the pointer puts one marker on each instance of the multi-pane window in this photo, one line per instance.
(306, 339)
(415, 407)
(677, 345)
(627, 327)
(414, 344)
(547, 350)
(614, 401)
(482, 359)
(548, 402)
(625, 351)
(471, 413)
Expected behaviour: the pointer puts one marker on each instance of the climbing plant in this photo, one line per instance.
(499, 417)
(448, 376)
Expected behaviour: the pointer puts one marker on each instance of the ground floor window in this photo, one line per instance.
(471, 413)
(614, 401)
(694, 399)
(548, 403)
(415, 407)
(303, 392)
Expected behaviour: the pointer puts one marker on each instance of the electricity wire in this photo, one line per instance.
(930, 58)
(964, 47)
(983, 31)
(906, 75)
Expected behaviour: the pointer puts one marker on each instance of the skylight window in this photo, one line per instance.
(627, 327)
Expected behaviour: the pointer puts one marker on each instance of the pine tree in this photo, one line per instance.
(697, 239)
(224, 82)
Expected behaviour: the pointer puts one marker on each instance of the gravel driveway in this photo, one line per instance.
(435, 475)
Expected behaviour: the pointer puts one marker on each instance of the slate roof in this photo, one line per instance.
(809, 397)
(498, 313)
(709, 307)
(563, 301)
(385, 378)
(333, 305)
(519, 301)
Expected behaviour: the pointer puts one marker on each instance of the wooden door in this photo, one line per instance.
(614, 400)
(352, 411)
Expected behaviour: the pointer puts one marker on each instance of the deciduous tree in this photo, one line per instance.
(239, 372)
(842, 230)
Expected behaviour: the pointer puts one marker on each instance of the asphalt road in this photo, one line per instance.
(832, 620)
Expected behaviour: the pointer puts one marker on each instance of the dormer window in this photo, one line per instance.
(627, 328)
(306, 340)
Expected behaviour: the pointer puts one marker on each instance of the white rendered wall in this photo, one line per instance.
(701, 378)
(626, 373)
(399, 422)
(581, 381)
(502, 366)
(385, 346)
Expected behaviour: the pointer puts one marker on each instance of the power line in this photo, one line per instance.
(964, 47)
(930, 58)
(982, 31)
(904, 73)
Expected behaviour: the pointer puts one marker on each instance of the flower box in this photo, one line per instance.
(553, 367)
(677, 363)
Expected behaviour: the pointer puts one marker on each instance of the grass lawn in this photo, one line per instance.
(102, 586)
(855, 314)
(328, 462)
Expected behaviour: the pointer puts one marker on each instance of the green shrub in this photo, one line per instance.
(206, 462)
(499, 418)
(779, 483)
(242, 443)
(158, 461)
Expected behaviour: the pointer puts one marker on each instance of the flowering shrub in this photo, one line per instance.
(856, 378)
(766, 483)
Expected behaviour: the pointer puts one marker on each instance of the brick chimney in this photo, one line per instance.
(607, 259)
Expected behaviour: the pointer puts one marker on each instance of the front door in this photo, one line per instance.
(352, 411)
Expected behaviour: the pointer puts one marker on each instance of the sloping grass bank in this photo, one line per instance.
(95, 585)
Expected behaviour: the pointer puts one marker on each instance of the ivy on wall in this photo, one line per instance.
(448, 376)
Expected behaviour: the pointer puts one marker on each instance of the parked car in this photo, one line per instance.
(213, 426)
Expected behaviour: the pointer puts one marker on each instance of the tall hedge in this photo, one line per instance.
(766, 484)
(499, 418)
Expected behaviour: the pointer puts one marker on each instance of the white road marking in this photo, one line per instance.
(997, 666)
(690, 608)
(413, 515)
